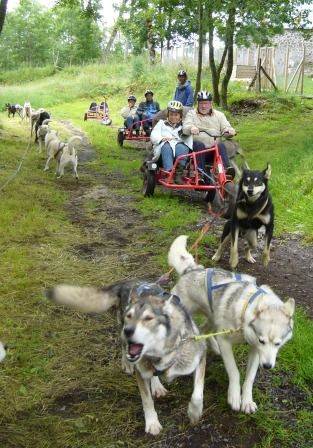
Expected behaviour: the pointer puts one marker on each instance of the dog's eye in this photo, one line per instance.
(147, 318)
(261, 341)
(128, 315)
(277, 344)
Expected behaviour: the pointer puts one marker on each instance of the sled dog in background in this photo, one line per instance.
(253, 210)
(63, 152)
(157, 335)
(41, 134)
(27, 111)
(233, 301)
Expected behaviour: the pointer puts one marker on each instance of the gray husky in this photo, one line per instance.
(157, 334)
(233, 301)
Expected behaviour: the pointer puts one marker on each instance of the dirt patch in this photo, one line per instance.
(247, 106)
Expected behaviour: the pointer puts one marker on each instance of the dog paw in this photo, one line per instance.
(153, 427)
(248, 407)
(195, 408)
(127, 367)
(250, 259)
(216, 257)
(265, 258)
(234, 399)
(157, 388)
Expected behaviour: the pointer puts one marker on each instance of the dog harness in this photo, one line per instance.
(236, 278)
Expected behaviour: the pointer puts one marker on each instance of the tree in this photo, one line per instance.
(3, 10)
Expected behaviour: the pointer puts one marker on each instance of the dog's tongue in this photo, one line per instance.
(135, 349)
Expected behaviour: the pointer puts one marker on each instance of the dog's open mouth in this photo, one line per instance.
(134, 352)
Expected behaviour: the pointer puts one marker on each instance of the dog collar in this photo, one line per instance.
(251, 299)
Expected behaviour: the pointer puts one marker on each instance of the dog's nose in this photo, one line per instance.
(129, 331)
(267, 365)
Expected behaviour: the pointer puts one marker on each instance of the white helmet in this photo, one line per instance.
(204, 96)
(175, 106)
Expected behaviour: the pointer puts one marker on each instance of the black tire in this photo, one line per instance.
(148, 183)
(120, 138)
(209, 196)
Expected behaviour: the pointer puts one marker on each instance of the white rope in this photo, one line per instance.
(18, 168)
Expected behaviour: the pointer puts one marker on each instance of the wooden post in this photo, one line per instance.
(302, 71)
(286, 68)
(258, 76)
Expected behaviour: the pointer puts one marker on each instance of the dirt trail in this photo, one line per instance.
(117, 235)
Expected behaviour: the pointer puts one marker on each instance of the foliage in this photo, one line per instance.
(35, 36)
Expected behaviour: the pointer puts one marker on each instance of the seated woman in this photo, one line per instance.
(168, 140)
(129, 112)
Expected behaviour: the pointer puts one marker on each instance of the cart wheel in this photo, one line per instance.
(209, 196)
(120, 138)
(148, 183)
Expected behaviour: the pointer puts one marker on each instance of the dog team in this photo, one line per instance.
(158, 334)
(64, 153)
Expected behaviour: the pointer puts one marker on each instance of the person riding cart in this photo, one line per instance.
(203, 123)
(146, 111)
(129, 112)
(168, 140)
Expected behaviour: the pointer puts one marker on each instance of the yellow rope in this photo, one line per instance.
(206, 336)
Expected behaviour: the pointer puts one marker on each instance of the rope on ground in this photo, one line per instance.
(18, 168)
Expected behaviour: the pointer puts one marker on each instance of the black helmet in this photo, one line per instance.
(204, 96)
(148, 91)
(131, 98)
(175, 106)
(182, 73)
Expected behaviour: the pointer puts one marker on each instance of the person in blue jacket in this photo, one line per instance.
(184, 92)
(147, 110)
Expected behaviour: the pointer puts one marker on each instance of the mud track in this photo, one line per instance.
(118, 236)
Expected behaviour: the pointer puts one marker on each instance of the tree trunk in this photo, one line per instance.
(200, 51)
(229, 43)
(3, 11)
(214, 73)
(114, 32)
(150, 41)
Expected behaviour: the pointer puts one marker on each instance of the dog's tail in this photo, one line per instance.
(178, 257)
(88, 300)
(74, 140)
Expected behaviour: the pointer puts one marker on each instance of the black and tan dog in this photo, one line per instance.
(253, 209)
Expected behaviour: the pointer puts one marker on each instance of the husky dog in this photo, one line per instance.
(64, 153)
(157, 334)
(233, 301)
(253, 210)
(41, 134)
(27, 111)
(69, 155)
(42, 117)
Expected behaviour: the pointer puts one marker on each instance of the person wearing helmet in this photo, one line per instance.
(183, 92)
(169, 142)
(129, 112)
(205, 118)
(146, 110)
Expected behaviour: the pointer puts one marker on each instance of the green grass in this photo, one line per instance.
(61, 382)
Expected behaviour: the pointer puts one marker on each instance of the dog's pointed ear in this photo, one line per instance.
(261, 306)
(170, 303)
(133, 296)
(289, 307)
(268, 171)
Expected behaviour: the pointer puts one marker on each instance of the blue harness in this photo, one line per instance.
(237, 278)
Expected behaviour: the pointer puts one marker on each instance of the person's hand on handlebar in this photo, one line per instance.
(194, 130)
(230, 132)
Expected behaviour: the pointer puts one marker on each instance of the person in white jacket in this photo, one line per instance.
(168, 139)
(129, 113)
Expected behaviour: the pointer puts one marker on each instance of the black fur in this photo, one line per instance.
(11, 109)
(251, 215)
(42, 116)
